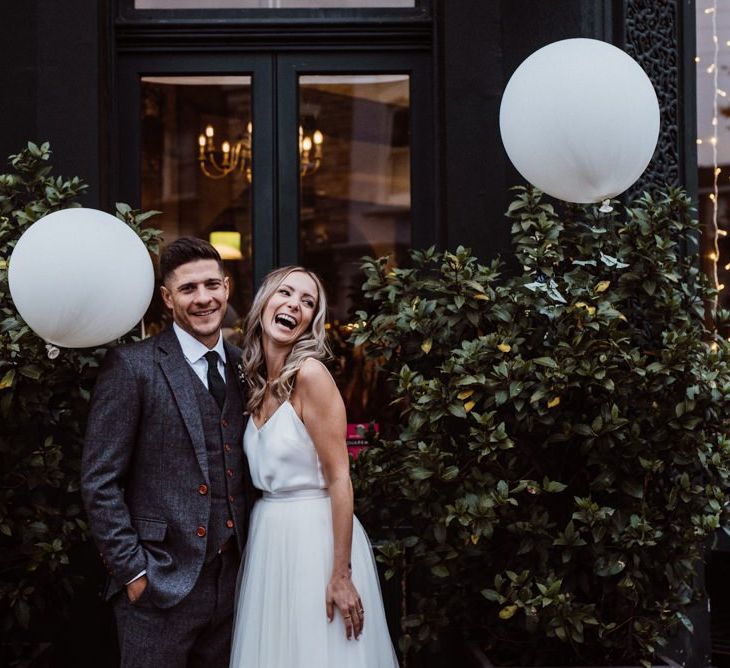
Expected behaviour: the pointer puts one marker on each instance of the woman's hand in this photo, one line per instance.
(341, 593)
(323, 413)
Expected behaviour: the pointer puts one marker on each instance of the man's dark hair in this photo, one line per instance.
(184, 250)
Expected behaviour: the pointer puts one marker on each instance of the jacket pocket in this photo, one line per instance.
(150, 530)
(143, 599)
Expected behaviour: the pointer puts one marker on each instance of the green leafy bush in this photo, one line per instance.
(43, 401)
(563, 452)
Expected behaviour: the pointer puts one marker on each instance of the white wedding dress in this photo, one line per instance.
(281, 617)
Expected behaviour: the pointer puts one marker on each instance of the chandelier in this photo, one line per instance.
(236, 156)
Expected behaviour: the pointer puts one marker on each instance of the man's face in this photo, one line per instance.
(197, 295)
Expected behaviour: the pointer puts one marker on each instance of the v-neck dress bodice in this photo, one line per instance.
(281, 454)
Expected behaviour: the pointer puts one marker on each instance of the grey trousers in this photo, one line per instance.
(195, 633)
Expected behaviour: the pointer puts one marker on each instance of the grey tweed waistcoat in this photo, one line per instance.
(225, 461)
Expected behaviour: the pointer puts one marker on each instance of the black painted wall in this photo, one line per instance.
(18, 76)
(471, 74)
(50, 81)
(54, 87)
(481, 44)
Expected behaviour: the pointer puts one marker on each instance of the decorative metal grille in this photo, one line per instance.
(651, 37)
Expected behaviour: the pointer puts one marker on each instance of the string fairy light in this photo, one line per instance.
(712, 231)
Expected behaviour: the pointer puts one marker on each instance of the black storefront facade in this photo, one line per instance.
(73, 70)
(404, 96)
(92, 76)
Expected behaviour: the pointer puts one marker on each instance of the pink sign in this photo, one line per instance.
(357, 441)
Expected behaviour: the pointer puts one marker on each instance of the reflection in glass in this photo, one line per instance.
(217, 163)
(357, 203)
(269, 4)
(175, 111)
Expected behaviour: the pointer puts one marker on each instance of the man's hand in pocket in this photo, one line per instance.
(135, 589)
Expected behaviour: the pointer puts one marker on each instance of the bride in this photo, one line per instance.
(309, 593)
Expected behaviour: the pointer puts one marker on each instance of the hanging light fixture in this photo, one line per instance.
(236, 157)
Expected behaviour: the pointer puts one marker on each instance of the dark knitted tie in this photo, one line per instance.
(216, 385)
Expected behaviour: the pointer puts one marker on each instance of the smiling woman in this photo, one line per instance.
(290, 309)
(286, 324)
(310, 547)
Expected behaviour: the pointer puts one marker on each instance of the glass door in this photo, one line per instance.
(355, 177)
(356, 164)
(188, 149)
(312, 159)
(197, 170)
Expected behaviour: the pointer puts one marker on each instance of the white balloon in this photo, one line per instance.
(580, 120)
(80, 278)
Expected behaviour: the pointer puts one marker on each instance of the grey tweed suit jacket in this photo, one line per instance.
(143, 462)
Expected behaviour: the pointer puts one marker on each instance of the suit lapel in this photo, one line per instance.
(177, 371)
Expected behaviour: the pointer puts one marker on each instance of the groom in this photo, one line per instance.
(164, 479)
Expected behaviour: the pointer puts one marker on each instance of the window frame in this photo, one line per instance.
(126, 12)
(188, 42)
(422, 147)
(128, 152)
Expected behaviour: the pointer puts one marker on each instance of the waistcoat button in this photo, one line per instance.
(201, 532)
(203, 489)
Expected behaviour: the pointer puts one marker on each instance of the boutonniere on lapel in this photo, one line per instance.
(241, 376)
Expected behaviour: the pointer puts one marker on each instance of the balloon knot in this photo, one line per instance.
(53, 352)
(606, 206)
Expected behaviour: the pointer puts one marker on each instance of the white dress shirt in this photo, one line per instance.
(194, 352)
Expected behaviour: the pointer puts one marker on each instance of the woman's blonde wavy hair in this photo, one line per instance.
(312, 343)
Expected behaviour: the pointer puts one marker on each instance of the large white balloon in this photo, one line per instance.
(580, 120)
(80, 278)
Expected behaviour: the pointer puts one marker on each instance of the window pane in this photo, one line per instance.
(355, 199)
(269, 4)
(202, 190)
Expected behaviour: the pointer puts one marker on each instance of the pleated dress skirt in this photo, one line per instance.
(281, 616)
